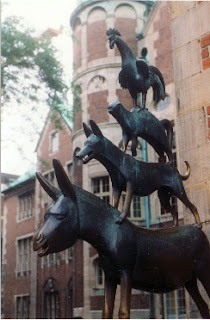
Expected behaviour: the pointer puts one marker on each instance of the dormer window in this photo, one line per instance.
(54, 142)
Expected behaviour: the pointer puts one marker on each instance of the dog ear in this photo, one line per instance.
(87, 130)
(63, 181)
(96, 129)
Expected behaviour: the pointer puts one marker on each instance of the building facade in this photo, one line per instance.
(71, 283)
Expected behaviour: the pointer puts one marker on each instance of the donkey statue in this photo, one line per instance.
(145, 125)
(135, 177)
(154, 260)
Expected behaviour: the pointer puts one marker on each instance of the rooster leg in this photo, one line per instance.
(144, 100)
(136, 108)
(143, 103)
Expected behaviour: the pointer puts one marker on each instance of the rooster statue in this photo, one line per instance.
(136, 75)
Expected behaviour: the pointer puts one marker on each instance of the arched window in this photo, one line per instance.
(51, 303)
(99, 274)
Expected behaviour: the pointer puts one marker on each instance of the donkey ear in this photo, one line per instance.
(52, 191)
(96, 129)
(87, 130)
(63, 180)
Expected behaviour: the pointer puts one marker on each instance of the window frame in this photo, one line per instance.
(24, 268)
(50, 291)
(131, 211)
(176, 299)
(27, 295)
(53, 148)
(102, 194)
(23, 208)
(98, 268)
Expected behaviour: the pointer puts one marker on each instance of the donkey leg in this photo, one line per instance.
(134, 146)
(204, 278)
(192, 288)
(202, 272)
(109, 297)
(126, 207)
(116, 197)
(164, 197)
(125, 298)
(183, 197)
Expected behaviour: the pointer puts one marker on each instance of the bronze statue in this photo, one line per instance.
(154, 260)
(136, 75)
(136, 177)
(145, 125)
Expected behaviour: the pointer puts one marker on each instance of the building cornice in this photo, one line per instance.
(96, 68)
(88, 3)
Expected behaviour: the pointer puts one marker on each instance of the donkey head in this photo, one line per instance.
(94, 144)
(61, 221)
(112, 33)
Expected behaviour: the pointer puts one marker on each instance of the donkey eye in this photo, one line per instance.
(60, 216)
(46, 216)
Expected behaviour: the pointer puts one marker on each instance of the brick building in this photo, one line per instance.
(71, 283)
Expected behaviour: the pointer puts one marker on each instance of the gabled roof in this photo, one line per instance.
(29, 175)
(65, 115)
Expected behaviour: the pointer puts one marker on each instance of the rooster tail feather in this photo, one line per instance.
(159, 85)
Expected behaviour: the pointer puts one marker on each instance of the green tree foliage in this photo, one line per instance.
(28, 62)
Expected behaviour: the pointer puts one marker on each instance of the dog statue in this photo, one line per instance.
(135, 177)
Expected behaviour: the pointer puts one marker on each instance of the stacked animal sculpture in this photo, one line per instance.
(154, 260)
(136, 75)
(145, 125)
(135, 177)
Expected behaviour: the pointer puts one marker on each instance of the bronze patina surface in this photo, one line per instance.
(136, 75)
(154, 260)
(136, 177)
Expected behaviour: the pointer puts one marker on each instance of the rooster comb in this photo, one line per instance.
(113, 32)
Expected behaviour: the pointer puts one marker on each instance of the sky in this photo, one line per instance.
(17, 152)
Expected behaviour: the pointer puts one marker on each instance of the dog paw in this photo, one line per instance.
(120, 220)
(198, 225)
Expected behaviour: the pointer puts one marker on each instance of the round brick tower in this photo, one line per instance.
(96, 66)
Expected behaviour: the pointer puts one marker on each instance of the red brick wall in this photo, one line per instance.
(127, 28)
(125, 98)
(205, 47)
(98, 106)
(96, 40)
(163, 45)
(14, 285)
